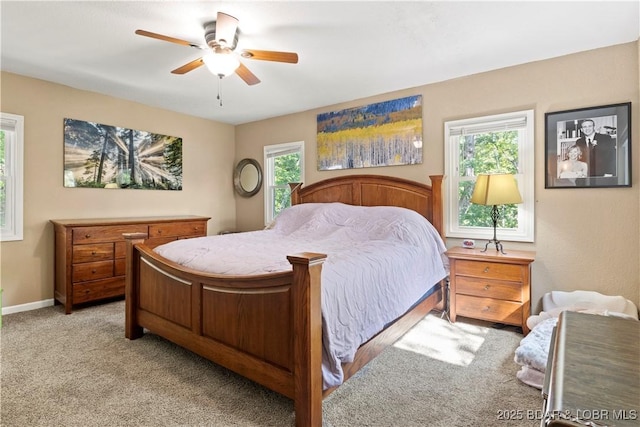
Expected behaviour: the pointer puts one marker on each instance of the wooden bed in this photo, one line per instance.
(268, 327)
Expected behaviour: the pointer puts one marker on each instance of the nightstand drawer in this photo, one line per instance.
(490, 270)
(497, 289)
(489, 309)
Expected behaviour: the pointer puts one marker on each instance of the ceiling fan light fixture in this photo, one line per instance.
(221, 63)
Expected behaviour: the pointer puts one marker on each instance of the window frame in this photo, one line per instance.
(13, 127)
(270, 152)
(525, 176)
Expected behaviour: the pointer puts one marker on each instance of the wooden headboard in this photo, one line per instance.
(377, 190)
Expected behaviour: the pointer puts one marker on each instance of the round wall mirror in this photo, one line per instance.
(247, 177)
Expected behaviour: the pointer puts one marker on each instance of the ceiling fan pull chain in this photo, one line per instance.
(220, 89)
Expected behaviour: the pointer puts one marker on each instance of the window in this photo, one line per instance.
(284, 163)
(11, 165)
(492, 144)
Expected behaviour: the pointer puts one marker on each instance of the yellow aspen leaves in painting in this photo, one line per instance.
(384, 134)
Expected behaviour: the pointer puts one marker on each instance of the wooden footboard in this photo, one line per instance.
(267, 328)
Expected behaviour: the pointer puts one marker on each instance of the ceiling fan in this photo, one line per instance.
(221, 37)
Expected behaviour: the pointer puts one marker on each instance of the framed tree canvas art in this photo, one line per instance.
(588, 147)
(104, 156)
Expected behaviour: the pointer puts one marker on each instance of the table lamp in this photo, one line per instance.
(494, 190)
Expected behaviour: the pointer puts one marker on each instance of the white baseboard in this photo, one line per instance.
(28, 306)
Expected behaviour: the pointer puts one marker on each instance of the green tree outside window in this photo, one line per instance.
(493, 152)
(287, 169)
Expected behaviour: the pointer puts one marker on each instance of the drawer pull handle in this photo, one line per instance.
(486, 287)
(93, 252)
(159, 231)
(487, 308)
(486, 269)
(86, 236)
(93, 272)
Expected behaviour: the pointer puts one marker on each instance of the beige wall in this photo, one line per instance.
(208, 156)
(585, 238)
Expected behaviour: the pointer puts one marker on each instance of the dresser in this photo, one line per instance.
(593, 372)
(490, 285)
(90, 253)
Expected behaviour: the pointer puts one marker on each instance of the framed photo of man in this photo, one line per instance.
(588, 147)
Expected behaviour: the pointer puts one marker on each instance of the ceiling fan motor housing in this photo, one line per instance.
(213, 43)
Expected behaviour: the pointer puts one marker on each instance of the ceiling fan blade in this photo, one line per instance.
(246, 75)
(226, 27)
(188, 67)
(166, 38)
(270, 55)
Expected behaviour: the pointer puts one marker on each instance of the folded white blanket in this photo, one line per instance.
(531, 377)
(534, 348)
(555, 302)
(533, 351)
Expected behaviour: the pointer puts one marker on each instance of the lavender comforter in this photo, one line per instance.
(380, 261)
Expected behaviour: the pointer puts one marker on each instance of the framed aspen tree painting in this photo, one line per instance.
(382, 134)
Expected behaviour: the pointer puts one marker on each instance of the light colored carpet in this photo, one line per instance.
(79, 370)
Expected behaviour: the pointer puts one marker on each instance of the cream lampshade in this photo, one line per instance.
(494, 190)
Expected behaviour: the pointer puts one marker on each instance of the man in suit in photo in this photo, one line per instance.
(599, 150)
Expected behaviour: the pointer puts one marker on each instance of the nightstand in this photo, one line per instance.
(490, 285)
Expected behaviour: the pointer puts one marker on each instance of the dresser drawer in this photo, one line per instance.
(489, 309)
(195, 228)
(120, 250)
(92, 271)
(110, 233)
(497, 289)
(490, 270)
(120, 267)
(91, 253)
(98, 289)
(155, 242)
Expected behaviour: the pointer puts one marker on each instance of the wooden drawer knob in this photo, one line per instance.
(487, 308)
(86, 236)
(93, 271)
(486, 269)
(486, 287)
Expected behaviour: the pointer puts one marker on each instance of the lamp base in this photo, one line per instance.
(495, 215)
(498, 246)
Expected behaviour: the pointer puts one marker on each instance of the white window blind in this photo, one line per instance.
(502, 125)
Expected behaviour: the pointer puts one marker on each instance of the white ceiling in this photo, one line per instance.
(347, 50)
